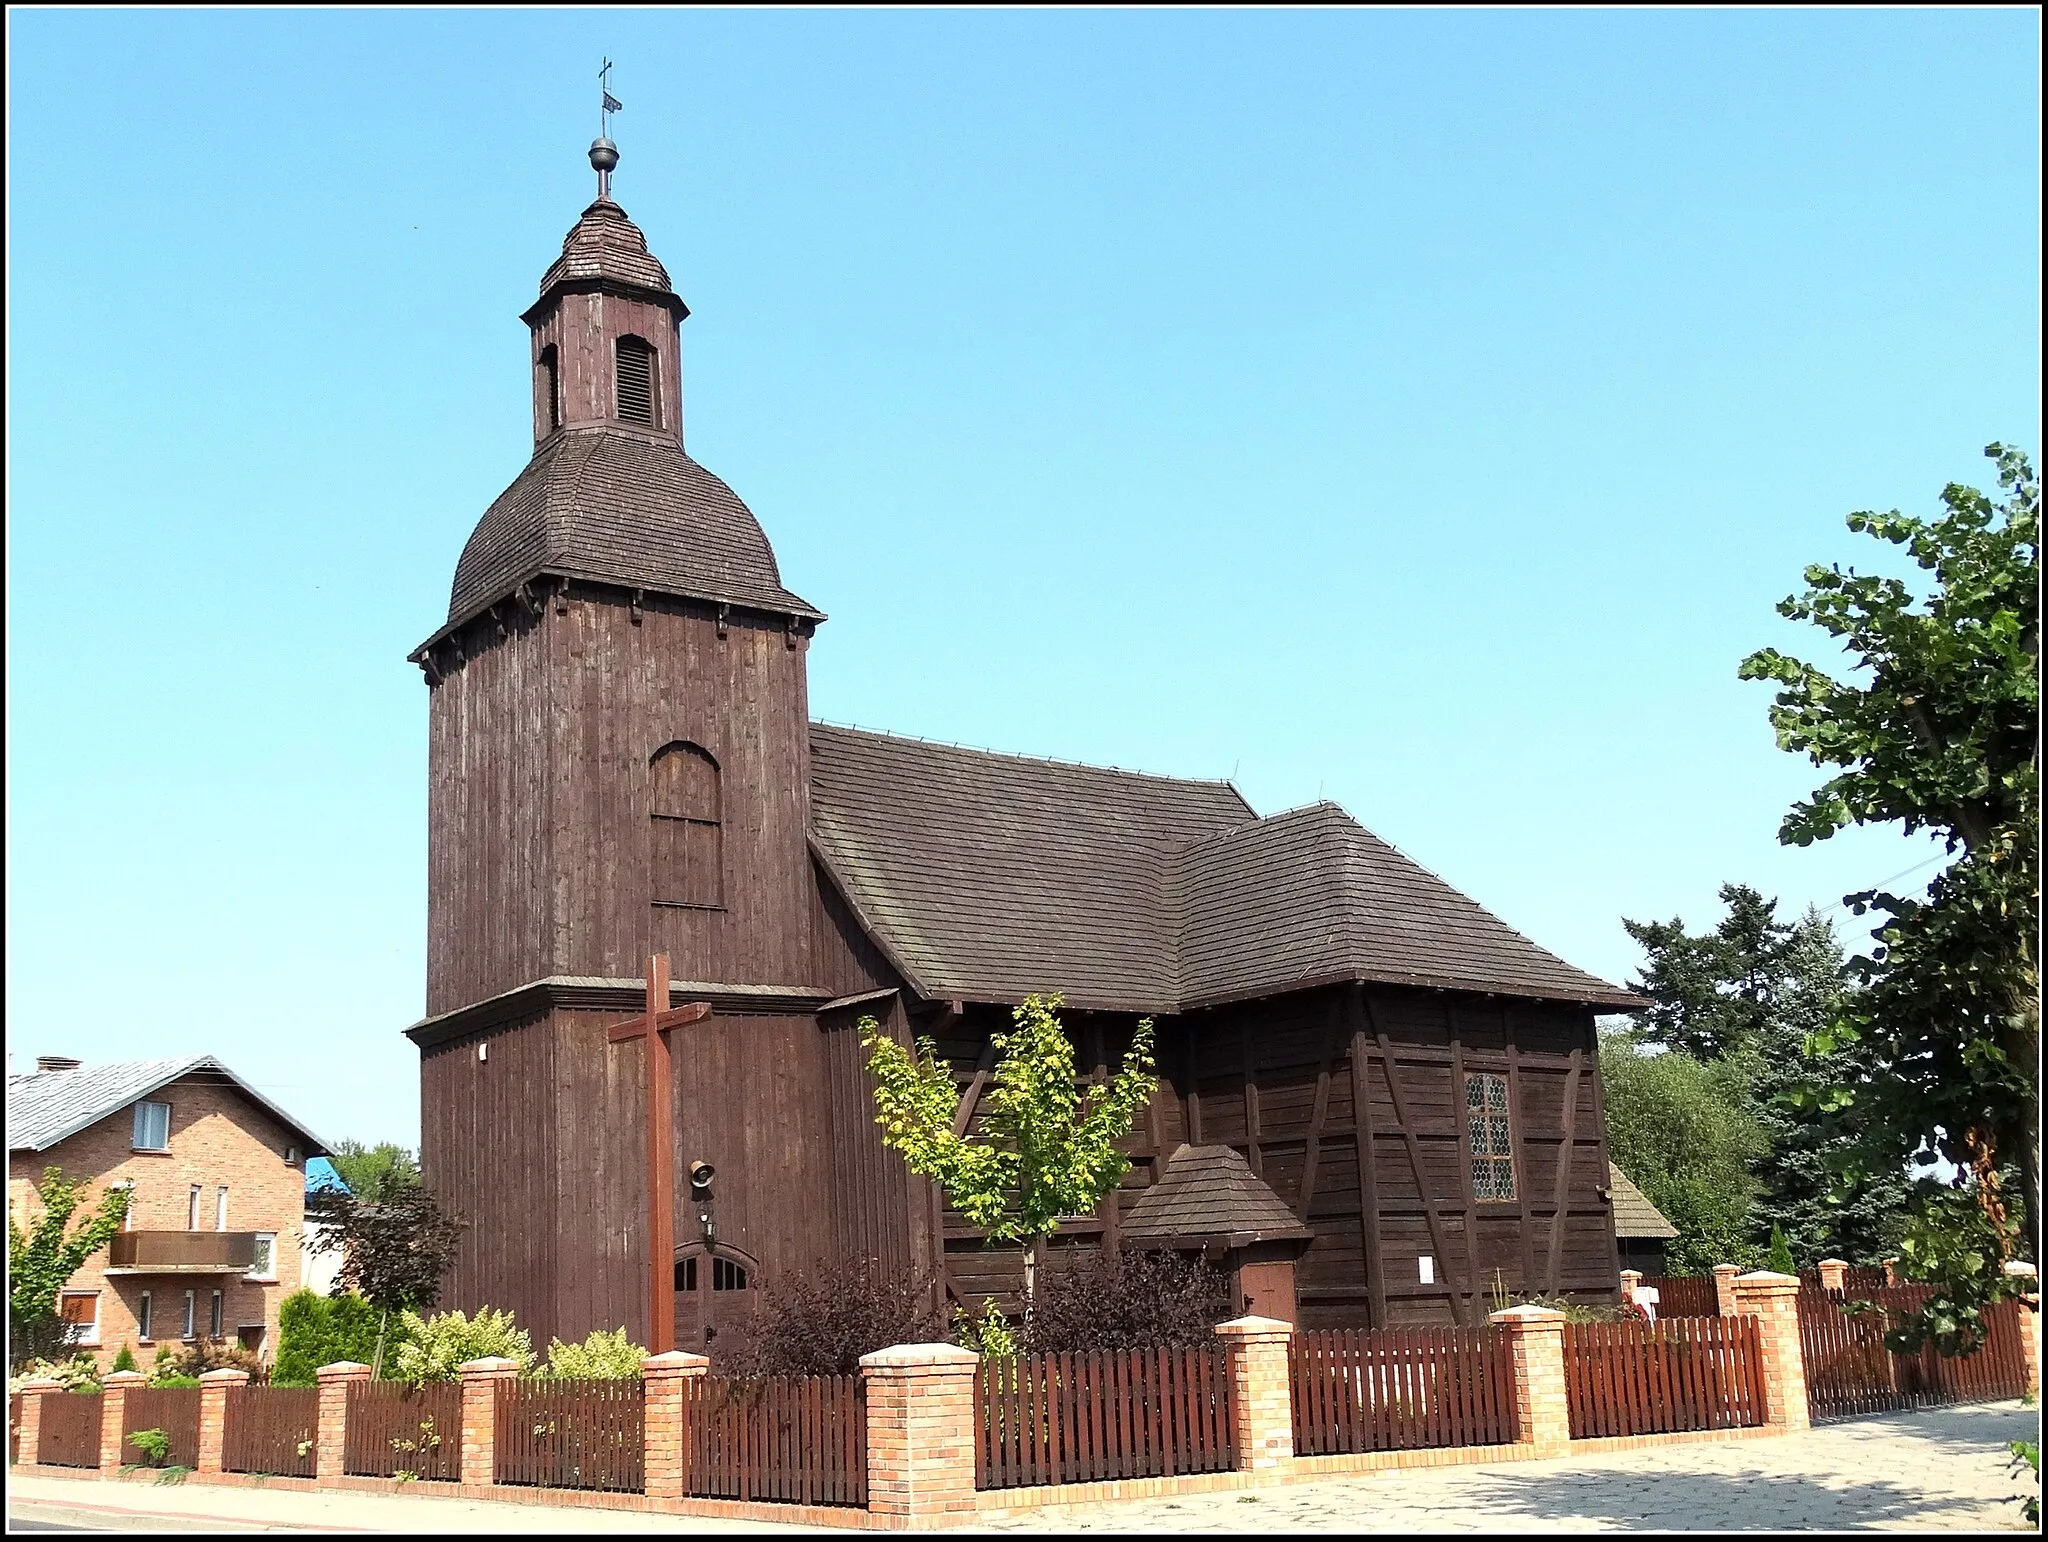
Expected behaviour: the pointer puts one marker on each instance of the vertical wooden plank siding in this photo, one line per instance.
(1077, 1418)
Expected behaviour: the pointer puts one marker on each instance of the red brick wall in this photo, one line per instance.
(217, 1137)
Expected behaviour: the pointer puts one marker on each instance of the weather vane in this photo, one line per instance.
(604, 155)
(611, 104)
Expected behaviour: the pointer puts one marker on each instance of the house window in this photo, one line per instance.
(79, 1312)
(213, 1317)
(142, 1318)
(688, 856)
(152, 1126)
(291, 1156)
(1486, 1115)
(636, 380)
(192, 1208)
(727, 1275)
(265, 1267)
(191, 1322)
(547, 384)
(220, 1208)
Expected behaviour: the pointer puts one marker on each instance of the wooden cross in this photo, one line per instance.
(661, 1151)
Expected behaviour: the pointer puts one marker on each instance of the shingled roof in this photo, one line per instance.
(987, 877)
(624, 508)
(1634, 1215)
(605, 245)
(1210, 1193)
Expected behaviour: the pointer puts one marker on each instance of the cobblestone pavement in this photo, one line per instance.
(1939, 1470)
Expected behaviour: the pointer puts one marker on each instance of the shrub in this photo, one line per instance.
(1129, 1300)
(601, 1357)
(433, 1347)
(315, 1330)
(80, 1373)
(174, 1367)
(154, 1445)
(989, 1335)
(124, 1360)
(820, 1324)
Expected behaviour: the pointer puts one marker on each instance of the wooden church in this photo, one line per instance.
(1378, 1103)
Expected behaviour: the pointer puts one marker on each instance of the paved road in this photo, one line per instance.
(1943, 1470)
(1939, 1470)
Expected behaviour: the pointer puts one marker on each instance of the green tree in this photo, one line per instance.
(369, 1171)
(1939, 734)
(395, 1250)
(1684, 1132)
(1047, 1149)
(46, 1253)
(314, 1330)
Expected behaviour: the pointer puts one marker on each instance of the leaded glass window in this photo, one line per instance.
(1493, 1152)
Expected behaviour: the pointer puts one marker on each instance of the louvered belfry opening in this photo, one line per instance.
(636, 381)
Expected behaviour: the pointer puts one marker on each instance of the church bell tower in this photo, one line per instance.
(619, 759)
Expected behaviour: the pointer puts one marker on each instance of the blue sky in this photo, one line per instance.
(1419, 410)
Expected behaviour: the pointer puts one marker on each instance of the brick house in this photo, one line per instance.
(217, 1213)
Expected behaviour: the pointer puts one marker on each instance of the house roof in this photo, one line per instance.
(44, 1107)
(1210, 1192)
(1634, 1215)
(621, 507)
(989, 877)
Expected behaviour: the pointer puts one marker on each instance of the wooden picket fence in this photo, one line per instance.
(796, 1439)
(394, 1428)
(272, 1430)
(1686, 1373)
(71, 1430)
(1686, 1295)
(1849, 1371)
(1078, 1418)
(1400, 1389)
(573, 1434)
(175, 1411)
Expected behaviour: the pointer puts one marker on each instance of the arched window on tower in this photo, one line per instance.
(636, 380)
(547, 390)
(688, 859)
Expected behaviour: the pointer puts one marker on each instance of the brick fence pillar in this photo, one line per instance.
(1630, 1279)
(1543, 1417)
(33, 1391)
(330, 1443)
(1834, 1274)
(1261, 1407)
(114, 1418)
(665, 1380)
(1773, 1300)
(213, 1414)
(1724, 1289)
(920, 1430)
(2028, 1280)
(1891, 1271)
(481, 1380)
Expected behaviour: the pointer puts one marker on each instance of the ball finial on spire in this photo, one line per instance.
(604, 155)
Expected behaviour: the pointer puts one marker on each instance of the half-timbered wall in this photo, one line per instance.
(1302, 1084)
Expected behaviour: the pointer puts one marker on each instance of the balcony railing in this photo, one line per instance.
(183, 1252)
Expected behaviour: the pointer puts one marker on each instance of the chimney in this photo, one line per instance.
(55, 1063)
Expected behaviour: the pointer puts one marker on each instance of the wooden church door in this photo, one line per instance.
(716, 1294)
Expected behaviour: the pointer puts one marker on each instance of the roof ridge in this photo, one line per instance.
(1041, 760)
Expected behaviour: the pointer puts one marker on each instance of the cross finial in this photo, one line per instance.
(604, 155)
